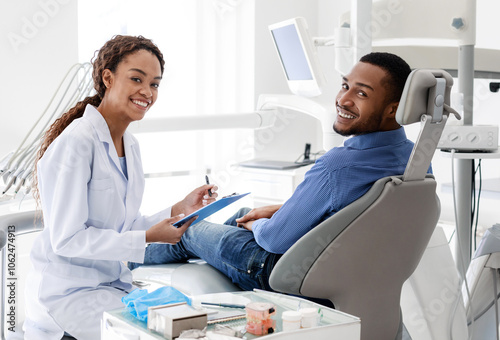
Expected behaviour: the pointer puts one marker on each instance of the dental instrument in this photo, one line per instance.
(17, 167)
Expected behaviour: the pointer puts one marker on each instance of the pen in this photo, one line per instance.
(208, 182)
(228, 305)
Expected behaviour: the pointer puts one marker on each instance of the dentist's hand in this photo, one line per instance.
(254, 214)
(196, 199)
(166, 232)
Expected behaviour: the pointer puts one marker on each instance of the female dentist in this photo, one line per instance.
(90, 186)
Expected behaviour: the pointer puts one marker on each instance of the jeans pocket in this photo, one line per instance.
(256, 268)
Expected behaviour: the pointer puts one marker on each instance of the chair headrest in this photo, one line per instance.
(425, 99)
(417, 98)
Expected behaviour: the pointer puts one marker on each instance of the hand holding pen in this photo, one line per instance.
(208, 183)
(196, 199)
(211, 197)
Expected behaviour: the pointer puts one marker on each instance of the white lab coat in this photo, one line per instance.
(91, 219)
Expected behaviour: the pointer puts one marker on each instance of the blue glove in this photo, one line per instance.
(138, 301)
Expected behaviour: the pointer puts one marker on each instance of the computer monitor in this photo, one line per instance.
(298, 56)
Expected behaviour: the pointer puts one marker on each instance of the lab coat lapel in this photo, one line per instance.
(128, 144)
(135, 184)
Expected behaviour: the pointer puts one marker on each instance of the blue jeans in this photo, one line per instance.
(230, 249)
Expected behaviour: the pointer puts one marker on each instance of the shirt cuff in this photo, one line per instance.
(257, 228)
(137, 245)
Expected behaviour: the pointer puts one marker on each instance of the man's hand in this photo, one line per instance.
(196, 199)
(255, 214)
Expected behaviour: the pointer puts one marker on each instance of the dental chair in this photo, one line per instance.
(360, 257)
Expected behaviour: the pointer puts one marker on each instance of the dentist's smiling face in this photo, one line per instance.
(362, 104)
(133, 88)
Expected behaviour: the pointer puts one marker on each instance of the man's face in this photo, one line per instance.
(362, 102)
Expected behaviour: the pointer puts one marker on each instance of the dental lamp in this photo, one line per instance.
(323, 113)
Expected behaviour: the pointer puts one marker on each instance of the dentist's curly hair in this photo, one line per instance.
(108, 57)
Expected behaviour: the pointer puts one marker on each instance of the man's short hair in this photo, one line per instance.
(397, 70)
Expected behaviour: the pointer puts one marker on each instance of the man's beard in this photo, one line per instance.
(360, 129)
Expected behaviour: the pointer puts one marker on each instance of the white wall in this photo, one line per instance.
(38, 44)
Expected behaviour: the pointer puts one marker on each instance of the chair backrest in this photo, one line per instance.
(360, 257)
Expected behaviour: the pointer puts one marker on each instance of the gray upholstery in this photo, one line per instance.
(414, 103)
(360, 257)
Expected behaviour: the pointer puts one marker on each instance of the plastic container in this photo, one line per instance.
(310, 317)
(259, 320)
(291, 320)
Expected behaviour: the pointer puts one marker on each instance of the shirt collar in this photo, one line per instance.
(376, 139)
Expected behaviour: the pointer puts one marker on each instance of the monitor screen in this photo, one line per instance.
(298, 56)
(291, 53)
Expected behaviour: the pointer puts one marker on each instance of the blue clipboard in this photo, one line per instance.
(210, 209)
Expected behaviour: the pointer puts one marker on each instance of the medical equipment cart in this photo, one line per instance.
(120, 324)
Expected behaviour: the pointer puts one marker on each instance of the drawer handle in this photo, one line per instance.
(123, 333)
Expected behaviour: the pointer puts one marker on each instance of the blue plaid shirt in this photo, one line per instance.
(338, 178)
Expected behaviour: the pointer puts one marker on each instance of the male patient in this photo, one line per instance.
(366, 109)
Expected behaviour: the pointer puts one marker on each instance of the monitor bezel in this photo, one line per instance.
(303, 87)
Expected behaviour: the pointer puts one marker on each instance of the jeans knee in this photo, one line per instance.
(240, 213)
(243, 211)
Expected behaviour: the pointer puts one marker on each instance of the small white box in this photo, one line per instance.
(171, 320)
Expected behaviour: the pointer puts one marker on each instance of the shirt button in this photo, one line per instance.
(249, 271)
